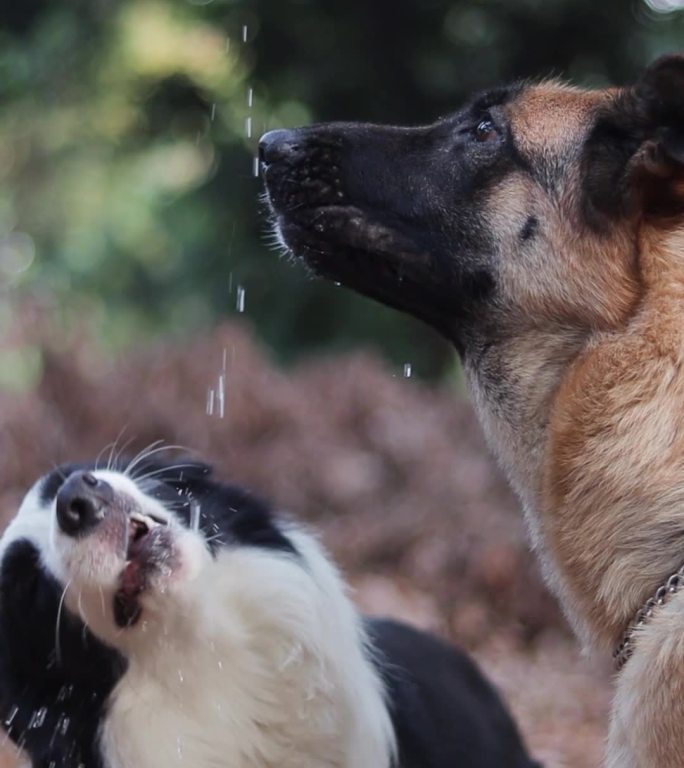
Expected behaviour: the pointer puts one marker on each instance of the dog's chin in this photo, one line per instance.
(150, 565)
(112, 581)
(338, 231)
(347, 246)
(344, 244)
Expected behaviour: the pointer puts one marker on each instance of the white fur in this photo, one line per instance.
(254, 659)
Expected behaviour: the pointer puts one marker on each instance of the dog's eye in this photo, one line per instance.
(485, 131)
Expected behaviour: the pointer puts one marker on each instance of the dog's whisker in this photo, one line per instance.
(108, 447)
(58, 470)
(152, 452)
(58, 646)
(115, 452)
(111, 446)
(163, 470)
(141, 455)
(117, 458)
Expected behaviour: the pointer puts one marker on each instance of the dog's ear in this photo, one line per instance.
(634, 157)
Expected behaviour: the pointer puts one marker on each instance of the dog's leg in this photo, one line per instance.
(648, 709)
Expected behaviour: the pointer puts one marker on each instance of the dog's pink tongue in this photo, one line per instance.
(126, 606)
(131, 578)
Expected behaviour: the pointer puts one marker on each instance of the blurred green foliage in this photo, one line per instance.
(128, 130)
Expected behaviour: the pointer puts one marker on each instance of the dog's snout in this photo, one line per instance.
(82, 502)
(277, 145)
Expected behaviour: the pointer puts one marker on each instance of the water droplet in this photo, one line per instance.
(210, 402)
(38, 719)
(180, 677)
(248, 127)
(11, 716)
(244, 33)
(179, 748)
(250, 97)
(221, 396)
(64, 725)
(195, 515)
(240, 303)
(255, 166)
(213, 112)
(407, 370)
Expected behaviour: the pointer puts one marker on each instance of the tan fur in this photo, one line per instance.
(590, 423)
(552, 116)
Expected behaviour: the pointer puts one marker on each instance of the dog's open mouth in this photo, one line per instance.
(148, 547)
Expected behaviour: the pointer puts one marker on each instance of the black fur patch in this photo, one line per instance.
(444, 711)
(636, 146)
(52, 697)
(530, 229)
(228, 514)
(496, 97)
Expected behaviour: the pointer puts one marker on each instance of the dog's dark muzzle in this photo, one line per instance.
(381, 170)
(276, 146)
(82, 503)
(302, 169)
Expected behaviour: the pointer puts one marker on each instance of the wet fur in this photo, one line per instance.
(574, 353)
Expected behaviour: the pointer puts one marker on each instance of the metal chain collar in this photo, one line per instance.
(623, 652)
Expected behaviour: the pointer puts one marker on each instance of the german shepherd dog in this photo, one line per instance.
(541, 229)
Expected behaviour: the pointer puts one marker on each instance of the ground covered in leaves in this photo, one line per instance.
(393, 473)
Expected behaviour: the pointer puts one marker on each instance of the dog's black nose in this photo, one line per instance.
(82, 503)
(277, 145)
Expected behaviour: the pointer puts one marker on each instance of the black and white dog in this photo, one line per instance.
(153, 617)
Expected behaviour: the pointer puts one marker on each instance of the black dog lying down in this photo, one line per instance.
(151, 616)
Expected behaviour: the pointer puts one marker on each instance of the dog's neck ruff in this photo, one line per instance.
(624, 650)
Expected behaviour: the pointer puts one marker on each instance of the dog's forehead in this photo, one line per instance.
(552, 118)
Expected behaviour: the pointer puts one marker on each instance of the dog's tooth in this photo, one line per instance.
(146, 520)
